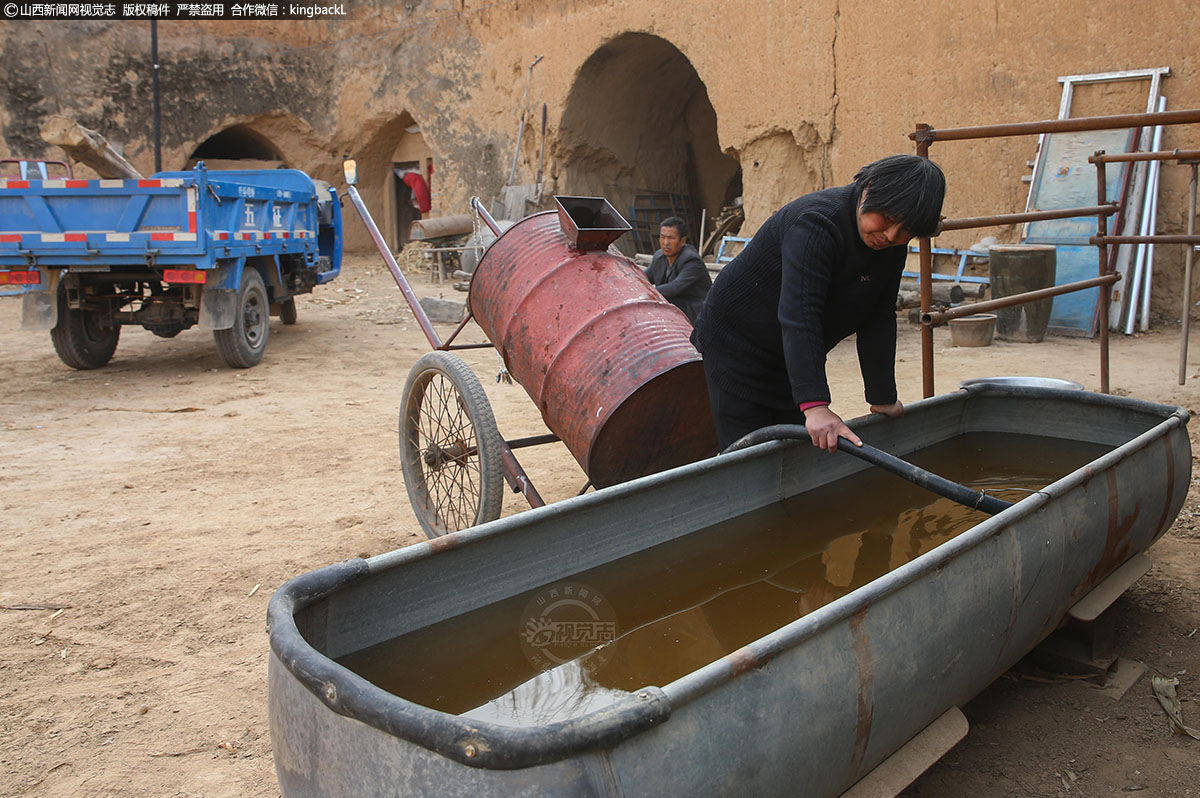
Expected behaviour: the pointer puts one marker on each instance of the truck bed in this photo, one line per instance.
(193, 218)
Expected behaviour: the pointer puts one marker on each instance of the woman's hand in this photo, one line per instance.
(825, 427)
(894, 410)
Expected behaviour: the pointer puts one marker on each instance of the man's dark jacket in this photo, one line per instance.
(684, 283)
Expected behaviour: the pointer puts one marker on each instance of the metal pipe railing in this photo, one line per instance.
(926, 271)
(926, 134)
(1102, 302)
(1032, 216)
(937, 318)
(1160, 155)
(1187, 279)
(1165, 238)
(1189, 157)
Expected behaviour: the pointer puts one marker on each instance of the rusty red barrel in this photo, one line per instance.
(606, 359)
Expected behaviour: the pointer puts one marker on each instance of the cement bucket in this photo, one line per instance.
(604, 357)
(1015, 270)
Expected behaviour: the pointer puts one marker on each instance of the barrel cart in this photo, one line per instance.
(602, 354)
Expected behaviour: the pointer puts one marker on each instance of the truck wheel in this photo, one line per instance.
(449, 446)
(287, 311)
(242, 345)
(79, 339)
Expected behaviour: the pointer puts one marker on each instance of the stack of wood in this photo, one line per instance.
(728, 223)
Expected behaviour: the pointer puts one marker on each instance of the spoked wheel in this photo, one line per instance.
(449, 446)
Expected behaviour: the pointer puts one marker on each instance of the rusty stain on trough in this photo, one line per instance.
(742, 660)
(444, 542)
(866, 676)
(1170, 492)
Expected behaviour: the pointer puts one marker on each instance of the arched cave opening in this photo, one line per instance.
(397, 167)
(237, 147)
(639, 129)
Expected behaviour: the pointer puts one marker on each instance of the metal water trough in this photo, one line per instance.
(820, 702)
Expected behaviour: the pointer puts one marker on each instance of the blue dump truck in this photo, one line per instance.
(224, 250)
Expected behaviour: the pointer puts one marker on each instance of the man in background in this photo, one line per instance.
(677, 270)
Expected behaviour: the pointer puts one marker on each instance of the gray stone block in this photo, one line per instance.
(443, 311)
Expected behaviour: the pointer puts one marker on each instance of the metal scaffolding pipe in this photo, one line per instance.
(1158, 238)
(1187, 281)
(1032, 216)
(926, 272)
(1105, 296)
(936, 318)
(1142, 266)
(1158, 155)
(926, 134)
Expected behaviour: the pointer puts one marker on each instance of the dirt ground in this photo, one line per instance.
(161, 501)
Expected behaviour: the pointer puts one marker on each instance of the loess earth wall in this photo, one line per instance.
(763, 100)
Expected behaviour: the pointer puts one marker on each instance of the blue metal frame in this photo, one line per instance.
(958, 276)
(722, 258)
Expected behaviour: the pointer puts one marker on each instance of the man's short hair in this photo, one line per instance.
(679, 224)
(907, 188)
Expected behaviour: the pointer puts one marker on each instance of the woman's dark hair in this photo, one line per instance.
(907, 188)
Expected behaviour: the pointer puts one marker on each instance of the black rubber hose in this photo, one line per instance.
(901, 468)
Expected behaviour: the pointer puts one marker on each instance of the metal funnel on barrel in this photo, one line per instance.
(590, 222)
(604, 357)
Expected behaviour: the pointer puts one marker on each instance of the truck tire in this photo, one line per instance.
(79, 339)
(287, 311)
(242, 345)
(449, 446)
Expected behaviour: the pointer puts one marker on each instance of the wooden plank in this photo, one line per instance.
(902, 768)
(1090, 607)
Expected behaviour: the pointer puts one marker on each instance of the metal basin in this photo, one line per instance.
(820, 701)
(1023, 382)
